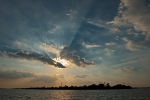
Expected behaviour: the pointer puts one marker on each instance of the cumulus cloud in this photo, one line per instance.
(81, 62)
(133, 13)
(88, 46)
(50, 48)
(130, 45)
(35, 56)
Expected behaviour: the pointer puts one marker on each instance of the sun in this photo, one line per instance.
(62, 61)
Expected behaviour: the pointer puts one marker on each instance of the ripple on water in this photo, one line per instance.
(18, 94)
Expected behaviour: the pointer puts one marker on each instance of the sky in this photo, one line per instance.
(76, 42)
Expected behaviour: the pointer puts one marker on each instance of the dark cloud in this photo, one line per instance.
(33, 56)
(81, 62)
(68, 55)
(59, 65)
(64, 54)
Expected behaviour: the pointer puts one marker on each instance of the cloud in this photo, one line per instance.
(131, 31)
(15, 74)
(114, 30)
(110, 44)
(50, 48)
(19, 74)
(59, 65)
(80, 76)
(109, 51)
(45, 78)
(97, 22)
(75, 59)
(20, 44)
(64, 50)
(130, 45)
(35, 56)
(133, 13)
(90, 46)
(72, 13)
(128, 69)
(4, 54)
(64, 54)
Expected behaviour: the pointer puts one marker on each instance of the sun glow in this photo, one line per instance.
(62, 61)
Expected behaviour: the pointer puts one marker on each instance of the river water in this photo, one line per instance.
(125, 94)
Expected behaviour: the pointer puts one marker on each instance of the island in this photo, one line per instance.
(84, 87)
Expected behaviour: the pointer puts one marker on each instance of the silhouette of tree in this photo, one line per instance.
(85, 87)
(107, 85)
(101, 86)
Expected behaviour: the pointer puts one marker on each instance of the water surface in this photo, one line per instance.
(125, 94)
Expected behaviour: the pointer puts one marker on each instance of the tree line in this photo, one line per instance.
(85, 87)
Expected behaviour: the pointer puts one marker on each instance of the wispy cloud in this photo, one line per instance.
(110, 43)
(4, 54)
(20, 74)
(72, 13)
(109, 51)
(132, 45)
(127, 69)
(45, 78)
(20, 44)
(15, 74)
(50, 48)
(88, 46)
(81, 76)
(97, 22)
(101, 58)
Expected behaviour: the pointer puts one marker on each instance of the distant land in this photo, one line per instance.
(84, 87)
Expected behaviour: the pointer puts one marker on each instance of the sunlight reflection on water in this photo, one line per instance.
(18, 94)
